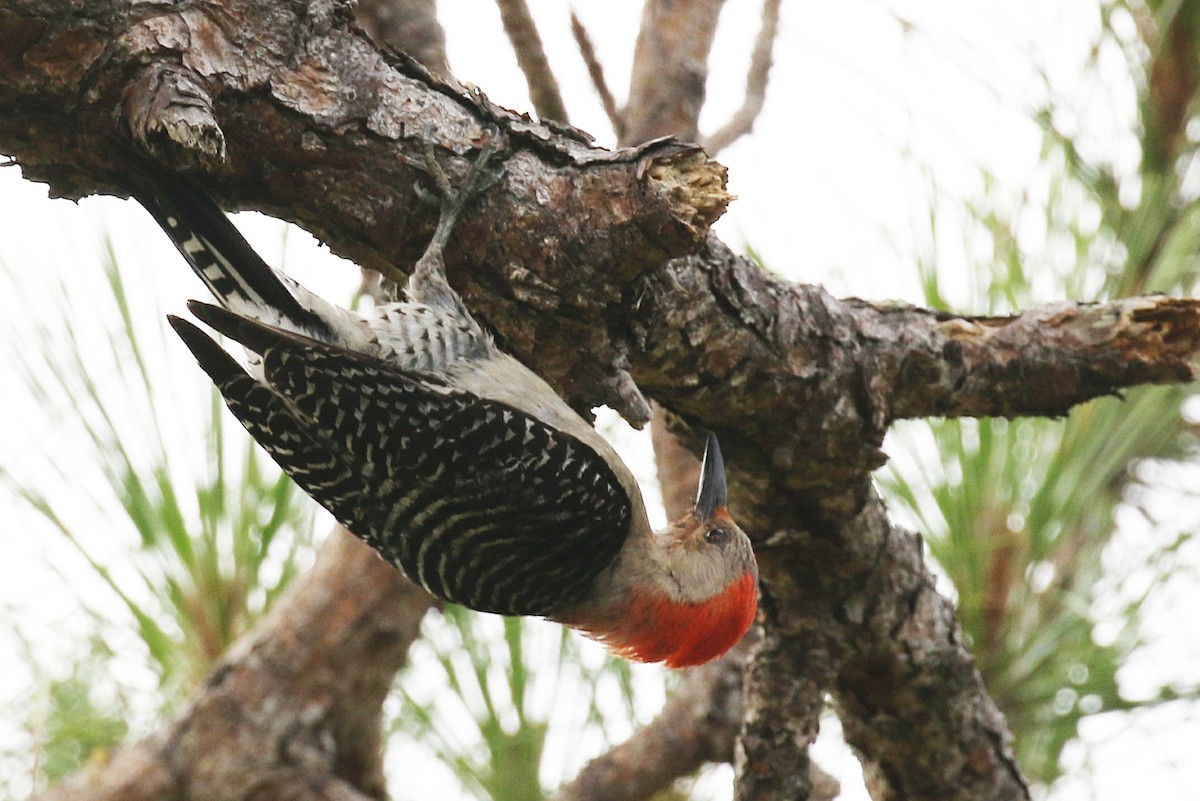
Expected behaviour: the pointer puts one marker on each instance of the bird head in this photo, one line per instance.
(697, 595)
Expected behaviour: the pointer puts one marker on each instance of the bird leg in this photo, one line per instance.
(428, 281)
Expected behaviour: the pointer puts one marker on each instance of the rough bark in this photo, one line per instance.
(283, 101)
(699, 723)
(574, 261)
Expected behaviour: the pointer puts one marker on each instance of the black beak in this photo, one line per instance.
(713, 492)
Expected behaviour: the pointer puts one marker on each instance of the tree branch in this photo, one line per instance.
(697, 725)
(667, 87)
(742, 121)
(319, 129)
(873, 631)
(596, 72)
(839, 372)
(1040, 362)
(531, 57)
(1172, 82)
(408, 25)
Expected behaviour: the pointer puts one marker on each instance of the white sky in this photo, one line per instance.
(834, 188)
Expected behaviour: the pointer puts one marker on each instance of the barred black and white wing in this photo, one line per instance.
(478, 502)
(318, 470)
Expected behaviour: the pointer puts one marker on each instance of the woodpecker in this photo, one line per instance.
(449, 457)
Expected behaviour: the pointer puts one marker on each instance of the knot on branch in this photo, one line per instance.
(692, 184)
(168, 111)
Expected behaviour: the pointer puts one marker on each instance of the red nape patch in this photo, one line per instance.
(684, 635)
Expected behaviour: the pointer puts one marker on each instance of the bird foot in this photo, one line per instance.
(428, 283)
(481, 177)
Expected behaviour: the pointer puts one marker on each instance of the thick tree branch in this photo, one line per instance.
(873, 631)
(839, 372)
(313, 124)
(1040, 362)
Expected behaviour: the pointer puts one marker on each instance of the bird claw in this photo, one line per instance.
(426, 197)
(630, 402)
(428, 281)
(481, 177)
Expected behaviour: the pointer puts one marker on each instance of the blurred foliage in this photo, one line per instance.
(208, 538)
(76, 721)
(1021, 514)
(482, 696)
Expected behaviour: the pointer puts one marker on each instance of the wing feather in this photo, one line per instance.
(482, 504)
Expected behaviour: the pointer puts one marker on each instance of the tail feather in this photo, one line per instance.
(255, 335)
(216, 250)
(213, 359)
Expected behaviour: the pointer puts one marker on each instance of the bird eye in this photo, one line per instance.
(717, 536)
